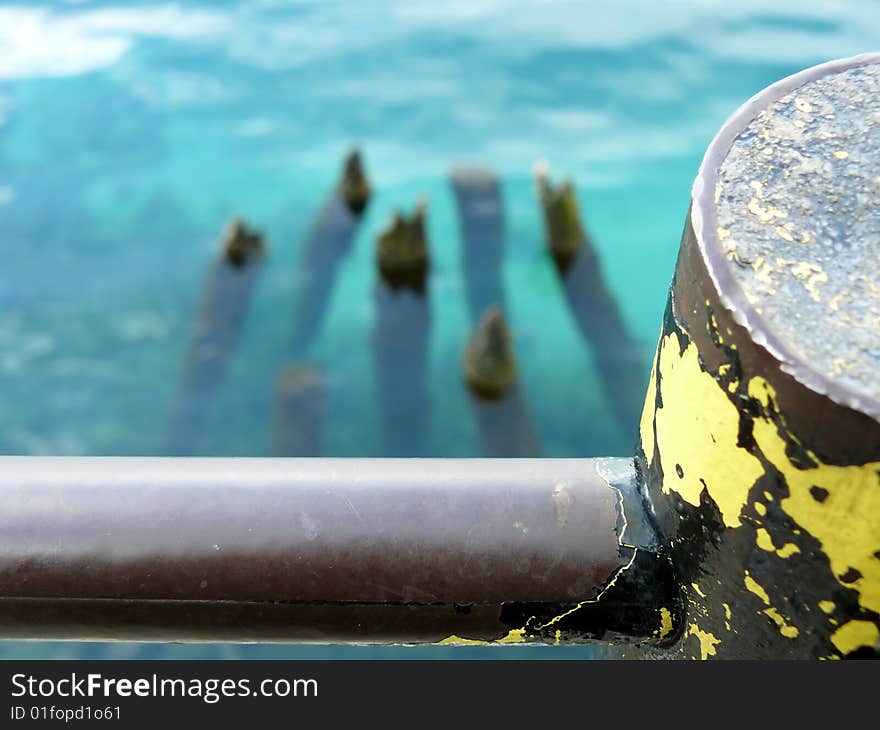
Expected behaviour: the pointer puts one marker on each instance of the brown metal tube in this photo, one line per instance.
(300, 549)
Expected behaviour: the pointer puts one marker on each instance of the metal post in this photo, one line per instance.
(760, 438)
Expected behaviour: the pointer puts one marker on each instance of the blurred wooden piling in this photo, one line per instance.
(505, 423)
(328, 243)
(300, 404)
(225, 300)
(402, 334)
(617, 355)
(503, 417)
(481, 221)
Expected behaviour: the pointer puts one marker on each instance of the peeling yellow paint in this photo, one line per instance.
(754, 587)
(827, 606)
(665, 623)
(764, 541)
(459, 641)
(696, 587)
(697, 428)
(786, 629)
(646, 426)
(845, 522)
(855, 634)
(517, 636)
(708, 641)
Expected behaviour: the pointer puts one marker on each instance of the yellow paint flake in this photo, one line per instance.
(855, 634)
(459, 641)
(696, 587)
(810, 275)
(665, 623)
(765, 215)
(786, 629)
(763, 540)
(827, 606)
(697, 428)
(516, 636)
(784, 233)
(708, 641)
(754, 587)
(646, 425)
(760, 509)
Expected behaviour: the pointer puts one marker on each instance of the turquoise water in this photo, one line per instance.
(130, 132)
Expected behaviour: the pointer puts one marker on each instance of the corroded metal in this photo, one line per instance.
(761, 456)
(322, 550)
(216, 329)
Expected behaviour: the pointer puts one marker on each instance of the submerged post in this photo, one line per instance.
(328, 243)
(615, 352)
(224, 305)
(490, 371)
(402, 332)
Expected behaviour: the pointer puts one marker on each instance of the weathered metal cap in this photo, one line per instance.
(760, 436)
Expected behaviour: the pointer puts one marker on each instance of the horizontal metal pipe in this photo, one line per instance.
(300, 549)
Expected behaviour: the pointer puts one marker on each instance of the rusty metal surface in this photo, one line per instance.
(303, 549)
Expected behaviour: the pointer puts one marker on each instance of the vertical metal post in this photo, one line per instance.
(760, 436)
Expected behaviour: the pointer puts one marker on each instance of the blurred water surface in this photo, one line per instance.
(130, 132)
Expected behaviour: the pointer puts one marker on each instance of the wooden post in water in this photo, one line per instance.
(505, 423)
(328, 243)
(616, 354)
(225, 300)
(300, 403)
(402, 334)
(506, 426)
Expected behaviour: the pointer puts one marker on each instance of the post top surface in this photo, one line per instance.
(789, 223)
